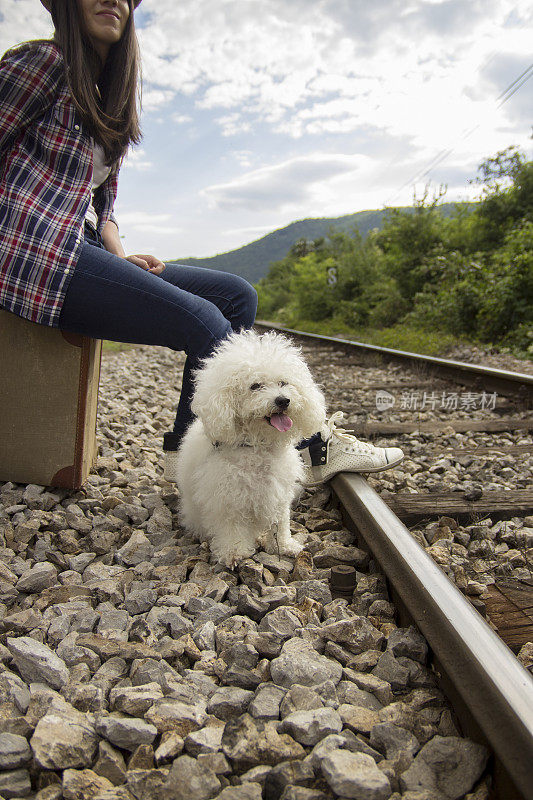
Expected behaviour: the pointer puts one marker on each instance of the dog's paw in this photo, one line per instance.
(291, 548)
(287, 547)
(231, 558)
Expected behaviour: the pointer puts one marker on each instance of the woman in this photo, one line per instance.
(68, 114)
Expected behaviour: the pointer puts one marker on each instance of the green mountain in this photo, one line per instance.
(252, 260)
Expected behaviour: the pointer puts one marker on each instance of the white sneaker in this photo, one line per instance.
(170, 465)
(337, 451)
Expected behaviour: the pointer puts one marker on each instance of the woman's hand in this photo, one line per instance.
(113, 244)
(148, 263)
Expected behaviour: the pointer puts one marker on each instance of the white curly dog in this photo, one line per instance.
(238, 469)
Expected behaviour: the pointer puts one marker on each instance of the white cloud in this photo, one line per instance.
(21, 20)
(253, 232)
(286, 185)
(145, 222)
(327, 68)
(181, 119)
(137, 160)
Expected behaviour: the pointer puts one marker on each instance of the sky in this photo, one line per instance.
(257, 113)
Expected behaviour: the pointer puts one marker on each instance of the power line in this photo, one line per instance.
(528, 69)
(504, 96)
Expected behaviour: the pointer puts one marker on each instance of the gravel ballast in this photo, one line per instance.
(133, 668)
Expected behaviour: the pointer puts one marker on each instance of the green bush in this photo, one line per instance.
(469, 274)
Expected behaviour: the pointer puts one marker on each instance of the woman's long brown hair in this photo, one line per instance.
(107, 98)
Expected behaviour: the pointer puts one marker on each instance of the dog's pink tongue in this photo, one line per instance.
(281, 422)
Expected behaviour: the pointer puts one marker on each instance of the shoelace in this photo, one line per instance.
(356, 444)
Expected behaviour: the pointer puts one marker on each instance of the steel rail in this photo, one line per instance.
(488, 679)
(488, 379)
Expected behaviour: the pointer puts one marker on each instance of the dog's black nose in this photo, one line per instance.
(282, 402)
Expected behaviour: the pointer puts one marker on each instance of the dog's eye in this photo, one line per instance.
(255, 386)
(282, 383)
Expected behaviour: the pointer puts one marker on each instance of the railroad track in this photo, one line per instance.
(490, 691)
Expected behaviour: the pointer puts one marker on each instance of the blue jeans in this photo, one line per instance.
(185, 308)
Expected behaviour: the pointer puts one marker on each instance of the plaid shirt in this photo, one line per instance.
(46, 164)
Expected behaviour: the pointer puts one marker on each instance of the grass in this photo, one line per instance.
(399, 337)
(115, 347)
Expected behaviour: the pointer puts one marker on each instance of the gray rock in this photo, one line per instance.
(273, 562)
(356, 634)
(355, 775)
(240, 655)
(189, 779)
(141, 601)
(204, 638)
(83, 783)
(266, 702)
(309, 727)
(348, 692)
(256, 775)
(110, 763)
(14, 751)
(217, 762)
(206, 740)
(125, 732)
(302, 793)
(393, 741)
(446, 765)
(173, 715)
(316, 590)
(327, 745)
(147, 670)
(37, 663)
(39, 577)
(300, 663)
(114, 625)
(391, 670)
(283, 622)
(408, 642)
(300, 698)
(347, 741)
(334, 554)
(251, 606)
(52, 792)
(204, 609)
(248, 791)
(79, 562)
(268, 645)
(370, 683)
(159, 523)
(229, 701)
(84, 697)
(171, 746)
(248, 743)
(71, 653)
(135, 700)
(64, 738)
(12, 688)
(289, 773)
(15, 783)
(233, 630)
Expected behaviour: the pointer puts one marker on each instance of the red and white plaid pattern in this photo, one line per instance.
(46, 165)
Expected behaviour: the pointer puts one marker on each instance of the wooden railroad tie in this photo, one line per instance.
(411, 507)
(509, 605)
(459, 426)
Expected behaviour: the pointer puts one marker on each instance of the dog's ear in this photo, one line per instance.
(313, 414)
(214, 404)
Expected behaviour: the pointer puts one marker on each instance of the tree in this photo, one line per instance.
(408, 238)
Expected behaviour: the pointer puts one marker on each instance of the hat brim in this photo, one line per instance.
(47, 4)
